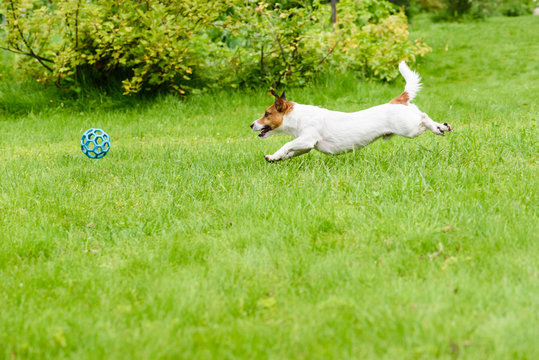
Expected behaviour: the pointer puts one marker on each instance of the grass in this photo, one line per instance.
(184, 243)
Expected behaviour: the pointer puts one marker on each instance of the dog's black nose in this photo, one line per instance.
(251, 125)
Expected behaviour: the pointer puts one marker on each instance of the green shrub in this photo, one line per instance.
(266, 44)
(411, 7)
(185, 45)
(371, 39)
(452, 10)
(289, 46)
(142, 44)
(517, 7)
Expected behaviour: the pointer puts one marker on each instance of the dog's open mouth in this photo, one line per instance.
(265, 129)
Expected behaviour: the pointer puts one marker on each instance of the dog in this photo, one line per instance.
(334, 132)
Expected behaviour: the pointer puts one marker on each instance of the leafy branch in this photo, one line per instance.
(30, 52)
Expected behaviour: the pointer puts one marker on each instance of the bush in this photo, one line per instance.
(517, 7)
(451, 10)
(265, 44)
(142, 44)
(185, 45)
(371, 39)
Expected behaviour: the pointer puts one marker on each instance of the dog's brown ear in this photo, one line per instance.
(280, 104)
(280, 101)
(282, 97)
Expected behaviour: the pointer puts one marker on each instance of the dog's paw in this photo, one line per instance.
(448, 127)
(443, 128)
(273, 158)
(439, 131)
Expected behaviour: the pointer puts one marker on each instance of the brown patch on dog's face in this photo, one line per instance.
(402, 99)
(274, 115)
(272, 118)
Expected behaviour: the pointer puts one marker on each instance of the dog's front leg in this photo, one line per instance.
(295, 147)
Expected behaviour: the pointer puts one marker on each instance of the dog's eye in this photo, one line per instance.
(266, 114)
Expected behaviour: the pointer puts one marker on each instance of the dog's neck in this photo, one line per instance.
(291, 124)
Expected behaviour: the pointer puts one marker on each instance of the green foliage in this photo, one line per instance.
(267, 44)
(457, 8)
(187, 45)
(283, 47)
(517, 7)
(140, 43)
(371, 39)
(411, 7)
(451, 10)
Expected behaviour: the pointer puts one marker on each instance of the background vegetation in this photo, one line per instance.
(458, 10)
(184, 243)
(187, 45)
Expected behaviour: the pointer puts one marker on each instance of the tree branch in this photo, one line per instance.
(281, 47)
(30, 52)
(19, 52)
(262, 68)
(333, 13)
(329, 53)
(77, 26)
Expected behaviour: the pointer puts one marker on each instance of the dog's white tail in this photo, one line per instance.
(413, 80)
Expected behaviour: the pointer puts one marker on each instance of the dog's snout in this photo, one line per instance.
(252, 125)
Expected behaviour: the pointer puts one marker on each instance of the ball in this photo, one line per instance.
(95, 143)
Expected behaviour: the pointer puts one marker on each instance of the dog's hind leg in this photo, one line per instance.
(433, 126)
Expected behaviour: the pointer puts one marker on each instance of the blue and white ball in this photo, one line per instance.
(95, 143)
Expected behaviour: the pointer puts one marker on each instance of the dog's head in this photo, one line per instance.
(273, 117)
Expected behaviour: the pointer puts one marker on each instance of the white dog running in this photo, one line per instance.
(333, 132)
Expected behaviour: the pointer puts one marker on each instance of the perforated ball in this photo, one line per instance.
(95, 143)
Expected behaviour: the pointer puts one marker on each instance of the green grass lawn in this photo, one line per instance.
(184, 243)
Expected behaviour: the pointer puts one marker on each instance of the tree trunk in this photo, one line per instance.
(333, 12)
